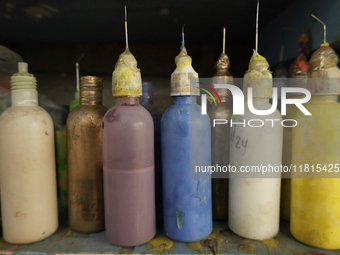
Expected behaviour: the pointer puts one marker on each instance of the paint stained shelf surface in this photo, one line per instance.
(221, 241)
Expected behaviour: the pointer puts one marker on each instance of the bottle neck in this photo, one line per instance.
(329, 98)
(91, 95)
(24, 97)
(127, 101)
(24, 90)
(185, 99)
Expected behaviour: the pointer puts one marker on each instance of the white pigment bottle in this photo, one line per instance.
(254, 203)
(27, 165)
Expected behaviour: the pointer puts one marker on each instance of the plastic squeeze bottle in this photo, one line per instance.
(220, 135)
(186, 141)
(315, 192)
(254, 203)
(27, 165)
(85, 159)
(128, 160)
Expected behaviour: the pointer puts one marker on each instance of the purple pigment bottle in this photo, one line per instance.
(128, 160)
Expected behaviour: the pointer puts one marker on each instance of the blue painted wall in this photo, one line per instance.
(296, 16)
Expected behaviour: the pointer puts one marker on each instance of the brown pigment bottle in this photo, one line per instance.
(84, 159)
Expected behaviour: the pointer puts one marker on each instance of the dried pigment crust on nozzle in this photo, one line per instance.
(23, 79)
(184, 79)
(222, 75)
(322, 60)
(324, 72)
(126, 78)
(222, 65)
(258, 77)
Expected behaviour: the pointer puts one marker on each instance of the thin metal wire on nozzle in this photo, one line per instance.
(183, 42)
(126, 30)
(77, 69)
(257, 26)
(223, 47)
(324, 27)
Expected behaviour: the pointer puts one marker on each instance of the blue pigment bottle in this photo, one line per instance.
(186, 142)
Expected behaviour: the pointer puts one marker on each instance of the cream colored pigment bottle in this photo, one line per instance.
(254, 203)
(27, 165)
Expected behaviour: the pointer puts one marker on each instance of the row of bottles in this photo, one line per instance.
(129, 170)
(111, 158)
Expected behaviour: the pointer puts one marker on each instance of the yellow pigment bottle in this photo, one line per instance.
(298, 74)
(315, 207)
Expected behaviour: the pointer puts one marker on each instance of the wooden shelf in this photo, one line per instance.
(65, 241)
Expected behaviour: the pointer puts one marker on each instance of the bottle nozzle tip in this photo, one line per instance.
(23, 67)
